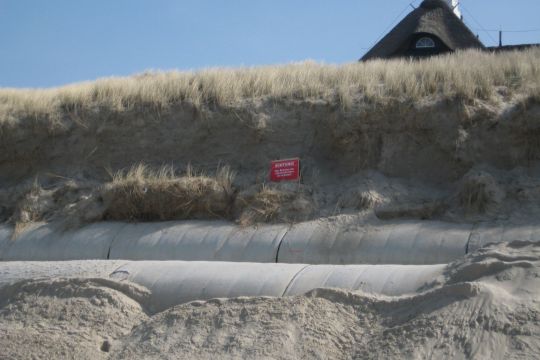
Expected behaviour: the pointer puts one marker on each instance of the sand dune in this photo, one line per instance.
(484, 306)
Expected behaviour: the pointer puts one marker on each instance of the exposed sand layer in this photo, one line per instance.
(437, 158)
(484, 306)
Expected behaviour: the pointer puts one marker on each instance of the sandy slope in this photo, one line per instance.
(485, 306)
(61, 318)
(441, 159)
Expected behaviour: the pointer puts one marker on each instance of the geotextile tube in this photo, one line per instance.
(15, 271)
(400, 242)
(314, 242)
(176, 282)
(47, 242)
(198, 240)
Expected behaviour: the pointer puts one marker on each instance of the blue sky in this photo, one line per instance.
(48, 43)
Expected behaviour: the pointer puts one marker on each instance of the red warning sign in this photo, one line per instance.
(284, 170)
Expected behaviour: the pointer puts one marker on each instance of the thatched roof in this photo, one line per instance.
(432, 17)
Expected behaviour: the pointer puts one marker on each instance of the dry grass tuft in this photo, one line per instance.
(479, 192)
(467, 75)
(277, 203)
(145, 194)
(31, 206)
(474, 197)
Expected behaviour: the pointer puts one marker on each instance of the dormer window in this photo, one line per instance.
(425, 43)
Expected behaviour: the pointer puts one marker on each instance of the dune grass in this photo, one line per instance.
(142, 193)
(159, 194)
(468, 75)
(268, 203)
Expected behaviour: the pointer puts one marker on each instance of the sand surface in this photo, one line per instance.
(439, 159)
(484, 306)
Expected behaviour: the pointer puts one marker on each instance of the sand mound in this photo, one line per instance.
(484, 307)
(64, 318)
(490, 314)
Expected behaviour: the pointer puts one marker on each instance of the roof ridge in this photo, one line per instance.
(429, 4)
(434, 17)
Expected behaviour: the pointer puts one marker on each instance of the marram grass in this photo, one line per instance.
(468, 75)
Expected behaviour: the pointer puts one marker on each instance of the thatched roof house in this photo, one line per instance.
(433, 28)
